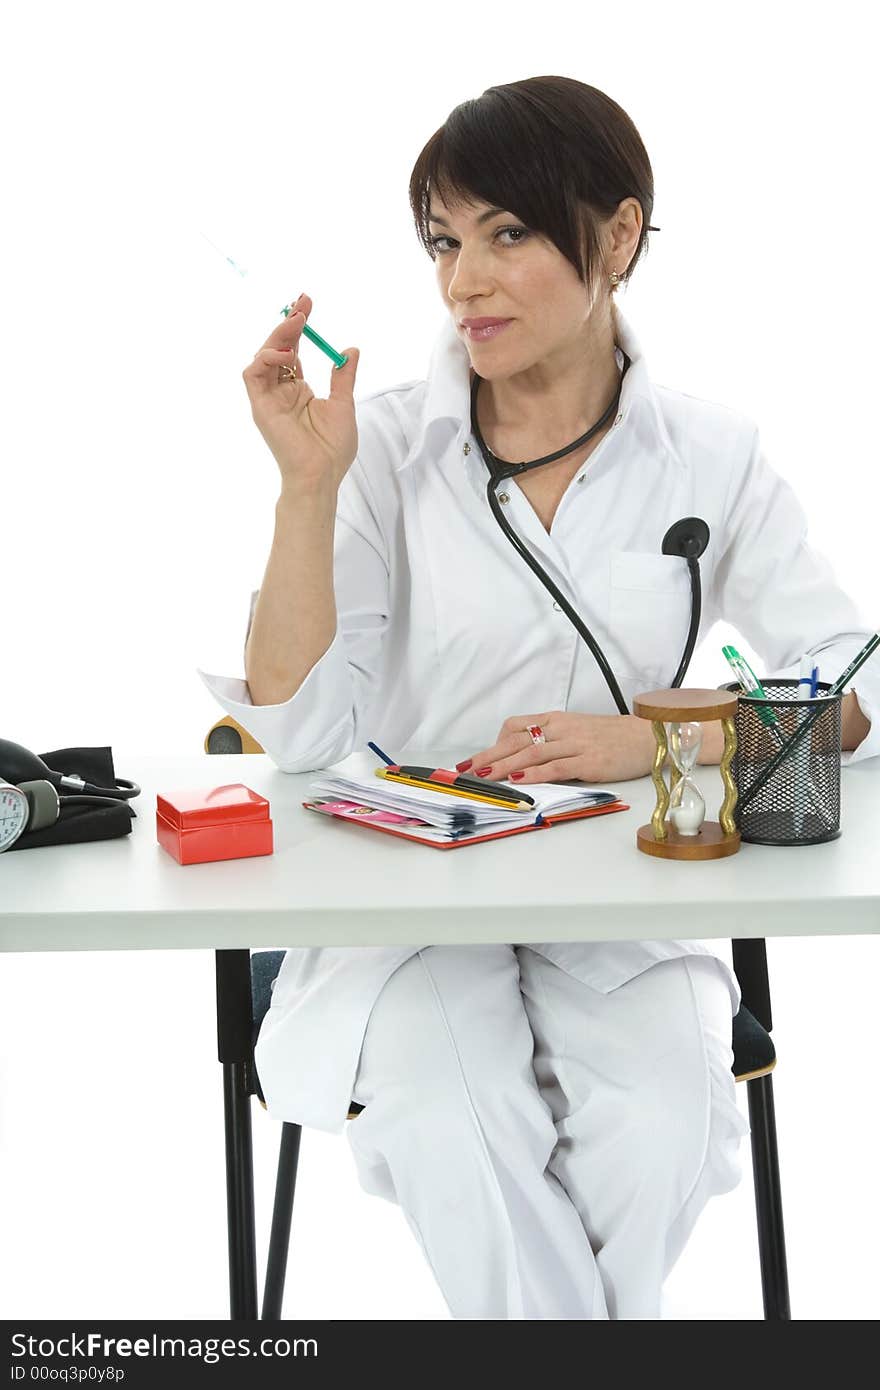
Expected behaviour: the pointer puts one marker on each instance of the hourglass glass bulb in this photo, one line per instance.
(687, 809)
(685, 740)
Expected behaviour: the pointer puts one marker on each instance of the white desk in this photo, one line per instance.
(329, 883)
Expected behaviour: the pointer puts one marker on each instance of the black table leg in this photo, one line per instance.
(234, 1028)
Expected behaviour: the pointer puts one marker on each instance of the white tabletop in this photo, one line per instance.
(330, 883)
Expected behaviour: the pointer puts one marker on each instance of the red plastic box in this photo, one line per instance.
(206, 823)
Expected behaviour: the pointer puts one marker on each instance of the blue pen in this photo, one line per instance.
(807, 683)
(384, 756)
(805, 677)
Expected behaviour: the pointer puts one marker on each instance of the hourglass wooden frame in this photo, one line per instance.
(715, 839)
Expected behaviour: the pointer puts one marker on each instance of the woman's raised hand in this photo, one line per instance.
(314, 441)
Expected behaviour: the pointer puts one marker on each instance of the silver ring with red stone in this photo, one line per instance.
(535, 733)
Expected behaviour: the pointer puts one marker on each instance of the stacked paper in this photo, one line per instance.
(449, 816)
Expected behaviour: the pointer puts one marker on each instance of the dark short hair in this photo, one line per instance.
(559, 154)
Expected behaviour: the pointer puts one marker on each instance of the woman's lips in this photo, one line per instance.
(479, 335)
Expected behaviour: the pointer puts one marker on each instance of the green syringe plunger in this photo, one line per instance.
(319, 342)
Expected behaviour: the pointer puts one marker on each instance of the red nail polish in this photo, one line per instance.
(515, 776)
(463, 767)
(483, 771)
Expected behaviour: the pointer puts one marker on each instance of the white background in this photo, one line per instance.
(136, 515)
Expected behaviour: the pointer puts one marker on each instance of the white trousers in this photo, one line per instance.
(550, 1146)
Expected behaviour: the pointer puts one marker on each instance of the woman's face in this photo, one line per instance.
(489, 264)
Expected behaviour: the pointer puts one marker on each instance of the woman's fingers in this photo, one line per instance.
(309, 438)
(506, 758)
(566, 768)
(289, 330)
(281, 348)
(279, 357)
(541, 763)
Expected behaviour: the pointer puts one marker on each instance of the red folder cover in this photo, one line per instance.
(359, 817)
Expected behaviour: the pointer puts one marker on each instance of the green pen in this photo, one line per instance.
(750, 684)
(319, 342)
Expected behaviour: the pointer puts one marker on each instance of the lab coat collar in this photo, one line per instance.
(446, 409)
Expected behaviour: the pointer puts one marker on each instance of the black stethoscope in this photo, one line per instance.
(688, 537)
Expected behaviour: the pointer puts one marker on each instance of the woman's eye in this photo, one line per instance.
(522, 233)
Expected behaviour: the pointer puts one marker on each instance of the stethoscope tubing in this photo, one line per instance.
(500, 471)
(560, 598)
(575, 619)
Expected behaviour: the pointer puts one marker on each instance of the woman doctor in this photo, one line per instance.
(551, 1118)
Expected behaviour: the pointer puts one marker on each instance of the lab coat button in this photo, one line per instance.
(618, 419)
(503, 497)
(467, 448)
(557, 606)
(581, 478)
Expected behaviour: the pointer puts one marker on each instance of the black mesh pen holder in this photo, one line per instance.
(799, 803)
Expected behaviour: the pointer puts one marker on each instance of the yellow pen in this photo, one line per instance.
(508, 805)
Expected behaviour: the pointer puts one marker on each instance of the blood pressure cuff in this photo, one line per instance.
(81, 821)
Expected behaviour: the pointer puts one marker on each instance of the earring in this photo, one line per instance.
(615, 279)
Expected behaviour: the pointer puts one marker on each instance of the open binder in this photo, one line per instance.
(403, 827)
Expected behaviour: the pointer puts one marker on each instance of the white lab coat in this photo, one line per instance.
(444, 632)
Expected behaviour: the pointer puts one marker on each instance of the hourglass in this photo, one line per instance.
(677, 717)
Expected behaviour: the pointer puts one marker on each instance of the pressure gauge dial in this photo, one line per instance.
(14, 813)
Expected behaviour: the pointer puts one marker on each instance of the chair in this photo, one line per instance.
(244, 984)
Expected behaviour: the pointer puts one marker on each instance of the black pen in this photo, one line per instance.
(440, 777)
(493, 792)
(473, 784)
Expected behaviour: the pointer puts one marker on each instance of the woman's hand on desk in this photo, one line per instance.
(593, 748)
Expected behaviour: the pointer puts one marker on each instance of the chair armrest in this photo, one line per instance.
(227, 736)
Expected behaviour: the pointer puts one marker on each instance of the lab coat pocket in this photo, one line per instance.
(649, 614)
